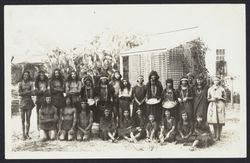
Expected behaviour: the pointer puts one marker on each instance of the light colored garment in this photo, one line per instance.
(216, 110)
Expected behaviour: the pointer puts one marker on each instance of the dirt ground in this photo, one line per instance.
(230, 140)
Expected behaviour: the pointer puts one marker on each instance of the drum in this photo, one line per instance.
(91, 102)
(153, 101)
(169, 104)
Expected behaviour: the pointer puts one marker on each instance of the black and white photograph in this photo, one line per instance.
(125, 81)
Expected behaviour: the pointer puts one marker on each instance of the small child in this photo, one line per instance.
(107, 127)
(151, 128)
(185, 128)
(126, 123)
(85, 122)
(140, 122)
(167, 132)
(204, 136)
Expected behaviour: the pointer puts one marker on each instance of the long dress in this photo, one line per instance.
(57, 89)
(154, 91)
(204, 134)
(185, 106)
(26, 102)
(200, 102)
(216, 110)
(139, 92)
(169, 95)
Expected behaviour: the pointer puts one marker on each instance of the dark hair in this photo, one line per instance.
(29, 77)
(113, 76)
(68, 97)
(70, 79)
(184, 112)
(61, 78)
(153, 73)
(123, 113)
(170, 81)
(46, 79)
(123, 86)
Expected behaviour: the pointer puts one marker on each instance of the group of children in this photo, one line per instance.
(67, 110)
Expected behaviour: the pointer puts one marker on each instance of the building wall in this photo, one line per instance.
(168, 64)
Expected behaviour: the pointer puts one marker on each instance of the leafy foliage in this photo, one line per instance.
(101, 54)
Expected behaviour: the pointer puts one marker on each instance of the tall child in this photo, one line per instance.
(139, 96)
(216, 107)
(25, 90)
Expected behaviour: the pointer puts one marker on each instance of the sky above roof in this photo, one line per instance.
(32, 31)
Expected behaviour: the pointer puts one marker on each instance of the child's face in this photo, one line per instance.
(184, 116)
(216, 81)
(57, 74)
(117, 75)
(140, 80)
(151, 118)
(88, 83)
(48, 100)
(167, 113)
(73, 75)
(41, 76)
(199, 81)
(68, 101)
(104, 81)
(126, 113)
(125, 82)
(184, 83)
(25, 76)
(169, 85)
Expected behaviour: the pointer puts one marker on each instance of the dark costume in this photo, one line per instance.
(200, 102)
(168, 125)
(89, 92)
(107, 125)
(139, 92)
(204, 134)
(169, 95)
(185, 129)
(125, 127)
(152, 126)
(105, 94)
(140, 122)
(154, 91)
(185, 106)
